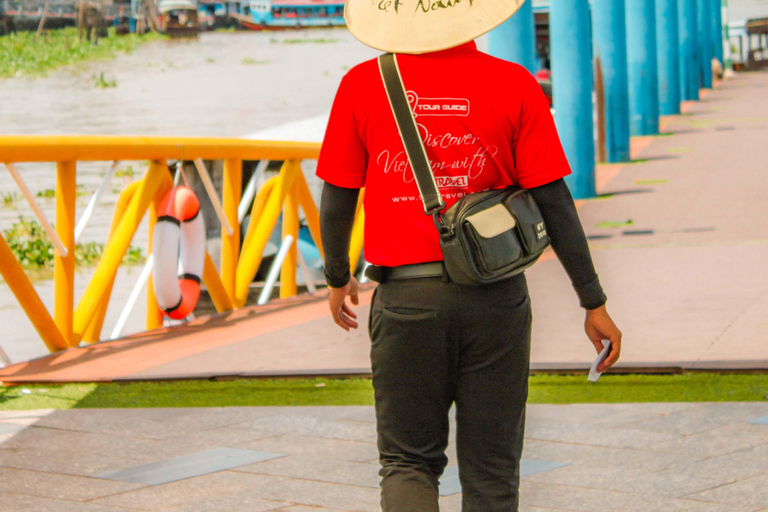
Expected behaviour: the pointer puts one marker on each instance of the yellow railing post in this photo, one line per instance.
(310, 212)
(230, 244)
(93, 333)
(290, 227)
(250, 258)
(215, 287)
(154, 318)
(258, 208)
(358, 231)
(64, 266)
(14, 276)
(117, 247)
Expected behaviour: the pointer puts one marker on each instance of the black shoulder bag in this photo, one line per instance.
(485, 236)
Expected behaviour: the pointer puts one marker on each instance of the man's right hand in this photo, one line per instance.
(599, 326)
(342, 313)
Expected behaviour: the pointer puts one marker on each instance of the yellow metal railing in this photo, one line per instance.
(228, 287)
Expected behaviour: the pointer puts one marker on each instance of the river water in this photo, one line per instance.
(226, 84)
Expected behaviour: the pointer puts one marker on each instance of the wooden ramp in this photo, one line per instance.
(288, 337)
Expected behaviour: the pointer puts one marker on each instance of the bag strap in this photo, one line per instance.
(409, 133)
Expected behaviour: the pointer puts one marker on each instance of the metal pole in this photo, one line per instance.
(668, 54)
(211, 190)
(250, 189)
(643, 71)
(717, 29)
(704, 27)
(689, 60)
(141, 282)
(55, 240)
(305, 272)
(95, 198)
(274, 270)
(572, 90)
(611, 82)
(515, 39)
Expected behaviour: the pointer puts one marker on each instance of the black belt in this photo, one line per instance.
(415, 271)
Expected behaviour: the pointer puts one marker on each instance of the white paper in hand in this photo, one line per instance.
(593, 373)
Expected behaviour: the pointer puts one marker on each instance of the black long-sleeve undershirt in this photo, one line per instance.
(337, 215)
(568, 240)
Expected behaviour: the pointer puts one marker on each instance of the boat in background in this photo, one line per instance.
(178, 18)
(283, 14)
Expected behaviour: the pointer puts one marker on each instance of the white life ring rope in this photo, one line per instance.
(178, 245)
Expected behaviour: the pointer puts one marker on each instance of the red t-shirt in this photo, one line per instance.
(485, 124)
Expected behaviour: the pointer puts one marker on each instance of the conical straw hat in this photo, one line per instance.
(419, 26)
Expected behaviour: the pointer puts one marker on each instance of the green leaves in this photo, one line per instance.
(32, 248)
(20, 55)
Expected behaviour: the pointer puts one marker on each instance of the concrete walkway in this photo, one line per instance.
(691, 457)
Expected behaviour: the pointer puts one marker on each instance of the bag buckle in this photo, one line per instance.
(445, 232)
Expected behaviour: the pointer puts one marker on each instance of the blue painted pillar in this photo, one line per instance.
(668, 55)
(689, 62)
(642, 67)
(704, 25)
(571, 59)
(515, 39)
(717, 30)
(609, 40)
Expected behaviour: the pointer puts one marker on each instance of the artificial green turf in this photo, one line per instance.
(553, 389)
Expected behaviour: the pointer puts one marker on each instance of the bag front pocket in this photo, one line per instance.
(493, 234)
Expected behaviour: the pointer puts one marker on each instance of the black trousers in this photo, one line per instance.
(435, 344)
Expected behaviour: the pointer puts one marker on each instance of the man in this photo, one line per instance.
(485, 124)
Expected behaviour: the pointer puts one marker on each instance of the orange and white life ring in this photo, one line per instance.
(178, 245)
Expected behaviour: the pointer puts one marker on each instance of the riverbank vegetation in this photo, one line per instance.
(33, 249)
(20, 55)
(544, 389)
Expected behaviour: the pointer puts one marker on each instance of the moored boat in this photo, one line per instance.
(280, 14)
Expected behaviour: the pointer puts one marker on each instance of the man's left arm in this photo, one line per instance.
(570, 245)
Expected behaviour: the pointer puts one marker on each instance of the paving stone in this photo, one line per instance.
(267, 488)
(189, 466)
(24, 417)
(301, 508)
(553, 496)
(51, 485)
(23, 503)
(81, 453)
(701, 419)
(313, 426)
(752, 492)
(31, 413)
(602, 457)
(712, 443)
(599, 436)
(676, 482)
(333, 496)
(318, 469)
(78, 464)
(8, 429)
(235, 502)
(139, 423)
(333, 449)
(762, 420)
(184, 492)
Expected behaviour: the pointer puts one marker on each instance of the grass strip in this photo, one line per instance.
(549, 389)
(20, 55)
